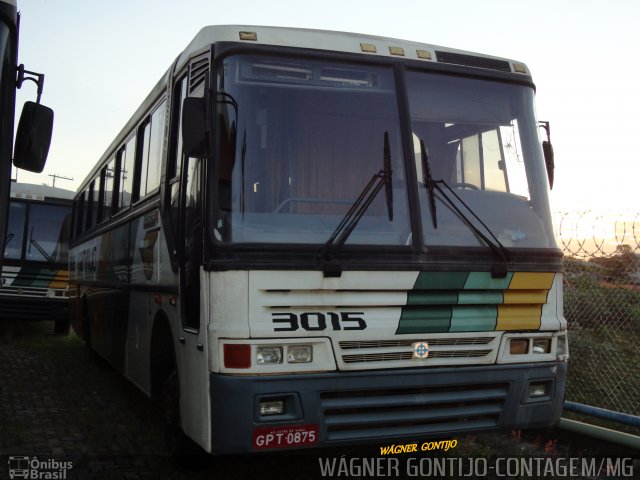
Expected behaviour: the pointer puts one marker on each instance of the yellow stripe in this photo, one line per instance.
(519, 317)
(60, 280)
(531, 281)
(525, 296)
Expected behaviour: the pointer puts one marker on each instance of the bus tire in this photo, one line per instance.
(183, 451)
(62, 326)
(86, 331)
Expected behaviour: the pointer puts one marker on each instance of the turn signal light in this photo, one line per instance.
(519, 346)
(237, 355)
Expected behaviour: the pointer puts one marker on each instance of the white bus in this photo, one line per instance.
(308, 238)
(33, 284)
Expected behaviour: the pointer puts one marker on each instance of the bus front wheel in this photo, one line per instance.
(186, 453)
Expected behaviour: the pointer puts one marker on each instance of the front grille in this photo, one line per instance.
(383, 357)
(23, 292)
(361, 414)
(407, 342)
(450, 350)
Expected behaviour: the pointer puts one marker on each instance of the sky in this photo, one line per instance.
(101, 58)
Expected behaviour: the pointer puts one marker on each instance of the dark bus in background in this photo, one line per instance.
(36, 121)
(34, 274)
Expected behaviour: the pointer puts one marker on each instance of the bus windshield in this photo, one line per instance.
(39, 235)
(481, 140)
(298, 140)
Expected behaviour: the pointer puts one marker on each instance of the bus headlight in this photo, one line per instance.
(268, 355)
(541, 345)
(533, 347)
(299, 354)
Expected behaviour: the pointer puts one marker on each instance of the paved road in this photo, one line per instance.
(59, 405)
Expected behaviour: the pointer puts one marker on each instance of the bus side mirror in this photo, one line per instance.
(547, 149)
(33, 137)
(194, 127)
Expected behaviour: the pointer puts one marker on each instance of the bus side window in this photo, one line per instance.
(91, 206)
(174, 160)
(142, 161)
(151, 137)
(100, 197)
(192, 244)
(126, 157)
(156, 141)
(79, 214)
(107, 198)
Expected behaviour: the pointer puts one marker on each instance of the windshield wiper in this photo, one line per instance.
(359, 207)
(429, 184)
(44, 253)
(8, 238)
(491, 240)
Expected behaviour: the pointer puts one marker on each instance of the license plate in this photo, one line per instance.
(283, 437)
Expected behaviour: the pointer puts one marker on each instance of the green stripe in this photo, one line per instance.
(432, 298)
(26, 276)
(474, 319)
(480, 298)
(44, 278)
(484, 281)
(34, 277)
(441, 280)
(424, 320)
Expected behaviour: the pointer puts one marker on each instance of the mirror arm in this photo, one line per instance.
(37, 78)
(547, 128)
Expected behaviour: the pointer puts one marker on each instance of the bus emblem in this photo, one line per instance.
(420, 350)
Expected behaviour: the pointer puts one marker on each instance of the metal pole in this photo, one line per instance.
(601, 433)
(602, 413)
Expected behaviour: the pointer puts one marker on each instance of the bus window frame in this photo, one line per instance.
(100, 216)
(89, 191)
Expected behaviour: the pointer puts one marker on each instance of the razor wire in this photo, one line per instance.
(602, 307)
(588, 233)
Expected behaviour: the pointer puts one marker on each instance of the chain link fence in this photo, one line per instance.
(602, 307)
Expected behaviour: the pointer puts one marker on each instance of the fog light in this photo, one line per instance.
(268, 355)
(272, 407)
(538, 390)
(518, 346)
(541, 345)
(300, 354)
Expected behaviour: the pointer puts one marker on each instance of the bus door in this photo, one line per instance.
(192, 358)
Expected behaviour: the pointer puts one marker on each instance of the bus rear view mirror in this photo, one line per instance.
(194, 131)
(547, 149)
(33, 137)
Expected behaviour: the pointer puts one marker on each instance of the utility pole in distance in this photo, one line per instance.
(54, 176)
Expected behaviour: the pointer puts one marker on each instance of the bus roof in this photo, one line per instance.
(344, 42)
(31, 191)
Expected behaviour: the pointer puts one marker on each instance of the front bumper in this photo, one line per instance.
(386, 406)
(34, 308)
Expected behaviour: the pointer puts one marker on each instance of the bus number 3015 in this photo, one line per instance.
(317, 321)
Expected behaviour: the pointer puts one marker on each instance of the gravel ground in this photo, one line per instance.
(57, 404)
